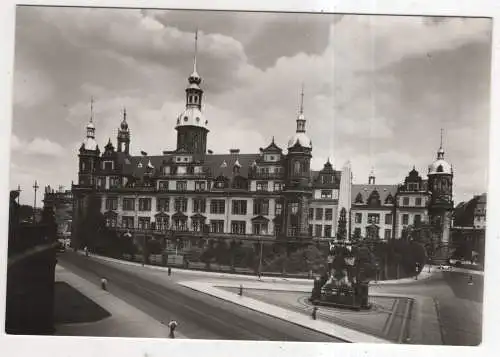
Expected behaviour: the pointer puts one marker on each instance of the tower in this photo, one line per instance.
(371, 178)
(123, 138)
(192, 127)
(298, 185)
(440, 185)
(89, 153)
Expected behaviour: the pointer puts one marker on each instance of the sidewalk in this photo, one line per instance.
(125, 320)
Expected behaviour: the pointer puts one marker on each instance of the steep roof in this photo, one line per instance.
(366, 189)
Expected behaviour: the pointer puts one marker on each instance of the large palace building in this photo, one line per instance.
(272, 194)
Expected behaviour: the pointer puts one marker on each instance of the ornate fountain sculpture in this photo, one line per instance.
(345, 284)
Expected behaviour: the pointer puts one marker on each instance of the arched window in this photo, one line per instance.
(440, 168)
(297, 167)
(359, 198)
(389, 199)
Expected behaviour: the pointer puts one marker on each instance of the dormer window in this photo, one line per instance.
(359, 198)
(166, 170)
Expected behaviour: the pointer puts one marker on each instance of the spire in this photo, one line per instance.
(301, 120)
(91, 109)
(124, 124)
(440, 153)
(195, 49)
(301, 110)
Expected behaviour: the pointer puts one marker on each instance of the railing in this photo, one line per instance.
(266, 175)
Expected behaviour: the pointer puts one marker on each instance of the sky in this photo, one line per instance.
(377, 89)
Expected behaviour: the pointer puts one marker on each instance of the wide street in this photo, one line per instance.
(459, 304)
(199, 315)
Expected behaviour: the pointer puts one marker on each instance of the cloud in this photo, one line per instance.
(377, 89)
(37, 147)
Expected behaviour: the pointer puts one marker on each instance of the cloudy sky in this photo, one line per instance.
(378, 89)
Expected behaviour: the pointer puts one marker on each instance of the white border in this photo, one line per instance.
(57, 346)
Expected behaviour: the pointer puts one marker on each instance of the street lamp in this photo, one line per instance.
(35, 187)
(260, 257)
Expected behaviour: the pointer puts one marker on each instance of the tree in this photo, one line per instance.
(342, 225)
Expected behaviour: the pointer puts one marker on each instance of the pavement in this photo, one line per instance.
(125, 319)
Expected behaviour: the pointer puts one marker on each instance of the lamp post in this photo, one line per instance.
(35, 187)
(260, 257)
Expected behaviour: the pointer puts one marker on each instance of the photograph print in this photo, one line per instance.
(270, 176)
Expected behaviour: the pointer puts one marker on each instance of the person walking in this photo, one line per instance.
(172, 325)
(314, 313)
(104, 283)
(86, 250)
(169, 271)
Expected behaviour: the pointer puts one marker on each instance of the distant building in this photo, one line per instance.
(272, 194)
(61, 202)
(469, 222)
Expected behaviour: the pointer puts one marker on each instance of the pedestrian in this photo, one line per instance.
(470, 280)
(241, 291)
(314, 312)
(172, 325)
(169, 271)
(259, 275)
(104, 283)
(86, 250)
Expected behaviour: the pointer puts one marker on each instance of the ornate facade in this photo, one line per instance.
(267, 195)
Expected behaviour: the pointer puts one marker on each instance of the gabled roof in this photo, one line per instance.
(366, 190)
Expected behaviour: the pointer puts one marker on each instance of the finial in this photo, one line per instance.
(195, 49)
(272, 141)
(91, 109)
(124, 113)
(441, 145)
(302, 100)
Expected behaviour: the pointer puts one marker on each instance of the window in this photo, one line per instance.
(111, 204)
(418, 201)
(114, 182)
(359, 198)
(127, 222)
(318, 230)
(294, 207)
(358, 217)
(297, 168)
(373, 218)
(417, 219)
(387, 234)
(413, 186)
(388, 218)
(326, 179)
(357, 232)
(166, 170)
(238, 227)
(311, 213)
(319, 214)
(181, 170)
(181, 186)
(278, 186)
(180, 224)
(144, 222)
(129, 204)
(406, 201)
(144, 204)
(190, 170)
(262, 186)
(278, 208)
(239, 207)
(326, 194)
(163, 185)
(107, 165)
(199, 205)
(405, 219)
(197, 225)
(101, 182)
(217, 206)
(328, 230)
(163, 204)
(180, 204)
(217, 226)
(200, 186)
(310, 229)
(161, 223)
(328, 214)
(259, 228)
(261, 207)
(111, 221)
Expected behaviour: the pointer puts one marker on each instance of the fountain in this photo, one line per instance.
(345, 284)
